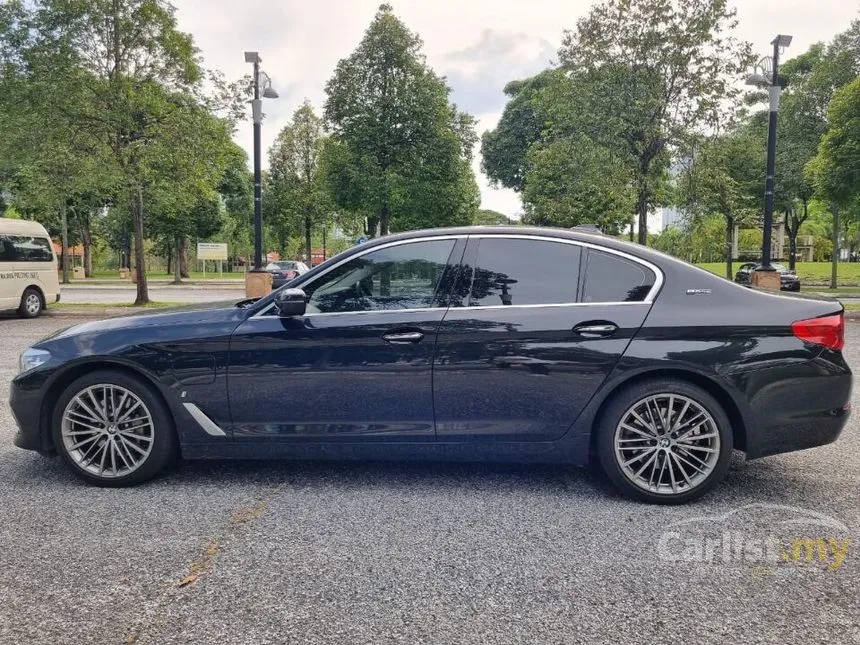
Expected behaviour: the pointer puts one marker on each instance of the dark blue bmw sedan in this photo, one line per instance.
(519, 344)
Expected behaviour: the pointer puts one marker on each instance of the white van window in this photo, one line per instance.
(24, 248)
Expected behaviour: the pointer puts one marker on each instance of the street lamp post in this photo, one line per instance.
(259, 281)
(766, 275)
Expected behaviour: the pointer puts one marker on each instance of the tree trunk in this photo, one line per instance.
(385, 276)
(87, 242)
(308, 239)
(834, 256)
(642, 210)
(126, 253)
(730, 233)
(372, 226)
(792, 249)
(64, 220)
(282, 241)
(182, 246)
(792, 226)
(170, 254)
(384, 221)
(139, 259)
(632, 223)
(177, 262)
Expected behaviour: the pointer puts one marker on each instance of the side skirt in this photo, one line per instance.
(572, 450)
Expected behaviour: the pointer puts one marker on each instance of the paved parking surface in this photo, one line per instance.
(384, 553)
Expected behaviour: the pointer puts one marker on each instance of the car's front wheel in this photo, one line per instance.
(664, 441)
(113, 429)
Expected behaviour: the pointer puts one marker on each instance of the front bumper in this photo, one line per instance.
(26, 408)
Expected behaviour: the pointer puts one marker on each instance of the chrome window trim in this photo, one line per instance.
(648, 300)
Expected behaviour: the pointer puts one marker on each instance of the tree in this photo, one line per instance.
(58, 170)
(295, 181)
(573, 181)
(658, 70)
(504, 150)
(487, 217)
(835, 170)
(182, 168)
(724, 178)
(135, 59)
(811, 80)
(400, 144)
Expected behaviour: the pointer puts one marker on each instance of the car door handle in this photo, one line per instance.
(403, 337)
(596, 330)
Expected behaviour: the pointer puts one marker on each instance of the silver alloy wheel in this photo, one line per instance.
(107, 430)
(667, 444)
(32, 303)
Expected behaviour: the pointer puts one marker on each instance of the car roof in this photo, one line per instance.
(597, 239)
(23, 226)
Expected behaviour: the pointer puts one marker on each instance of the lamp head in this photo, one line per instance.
(783, 41)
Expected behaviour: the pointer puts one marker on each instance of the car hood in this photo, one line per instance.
(212, 312)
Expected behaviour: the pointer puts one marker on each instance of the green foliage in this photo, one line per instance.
(656, 70)
(835, 170)
(486, 217)
(402, 150)
(723, 177)
(504, 150)
(574, 181)
(296, 193)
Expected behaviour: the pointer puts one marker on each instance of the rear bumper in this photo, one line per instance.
(807, 408)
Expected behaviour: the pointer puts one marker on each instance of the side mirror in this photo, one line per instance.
(290, 302)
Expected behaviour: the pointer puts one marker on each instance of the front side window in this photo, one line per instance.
(405, 276)
(24, 248)
(612, 278)
(514, 271)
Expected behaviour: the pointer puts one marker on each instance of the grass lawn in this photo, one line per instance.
(817, 273)
(161, 275)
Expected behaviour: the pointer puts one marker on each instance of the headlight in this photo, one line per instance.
(31, 358)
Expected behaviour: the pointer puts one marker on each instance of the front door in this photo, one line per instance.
(358, 364)
(535, 327)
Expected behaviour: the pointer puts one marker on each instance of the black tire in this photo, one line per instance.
(617, 409)
(164, 445)
(32, 303)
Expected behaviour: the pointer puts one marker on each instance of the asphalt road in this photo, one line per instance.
(392, 553)
(125, 294)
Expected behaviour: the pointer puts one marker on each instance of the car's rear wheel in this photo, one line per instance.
(664, 441)
(113, 429)
(31, 303)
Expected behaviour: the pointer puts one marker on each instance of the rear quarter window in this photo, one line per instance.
(612, 278)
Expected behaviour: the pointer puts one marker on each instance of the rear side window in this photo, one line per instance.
(612, 278)
(510, 271)
(23, 248)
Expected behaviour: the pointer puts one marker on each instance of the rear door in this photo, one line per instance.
(535, 326)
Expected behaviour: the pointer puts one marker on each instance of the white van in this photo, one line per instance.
(28, 267)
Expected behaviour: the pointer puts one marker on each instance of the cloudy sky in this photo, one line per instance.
(479, 45)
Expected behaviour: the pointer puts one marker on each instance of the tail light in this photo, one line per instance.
(828, 331)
